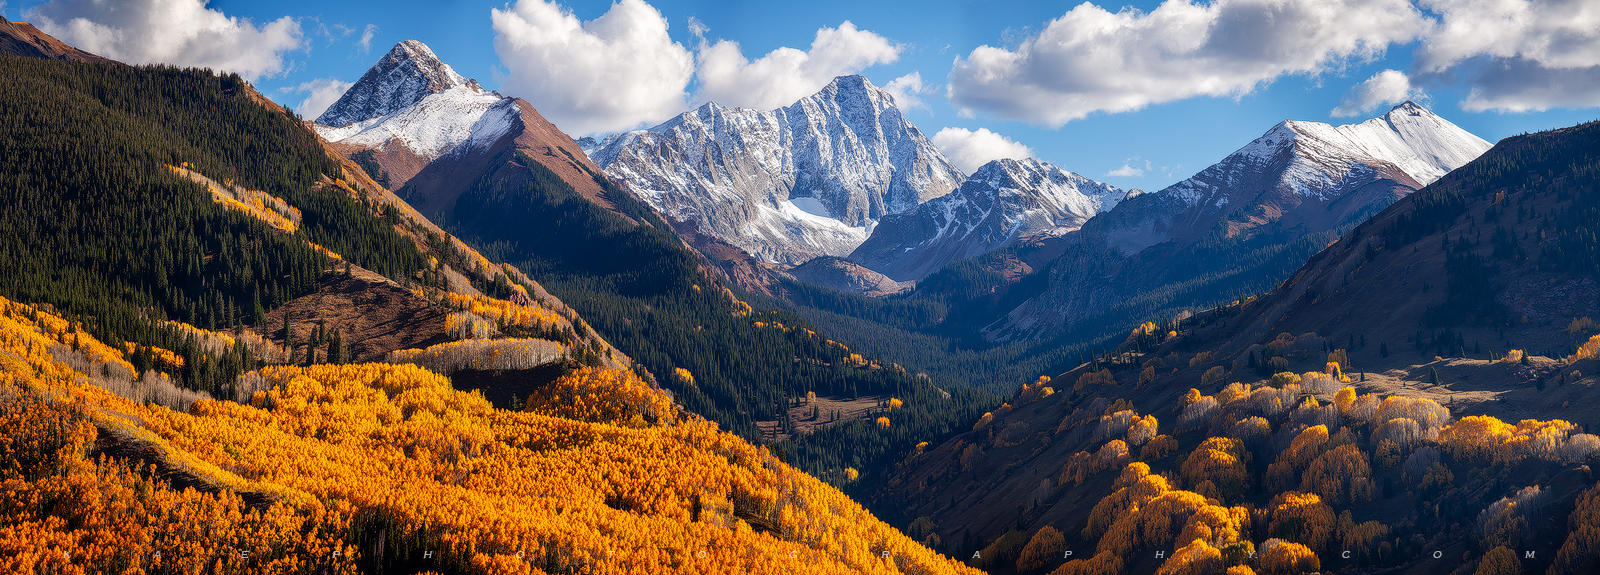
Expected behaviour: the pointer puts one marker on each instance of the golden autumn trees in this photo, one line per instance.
(1581, 550)
(1220, 460)
(1340, 476)
(1302, 518)
(1196, 558)
(1305, 448)
(1279, 557)
(1043, 549)
(1499, 561)
(603, 396)
(330, 456)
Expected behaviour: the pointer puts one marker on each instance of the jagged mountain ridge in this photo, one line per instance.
(785, 185)
(1297, 180)
(1003, 201)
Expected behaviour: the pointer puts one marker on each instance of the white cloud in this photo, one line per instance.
(1516, 55)
(1385, 88)
(611, 73)
(969, 150)
(787, 74)
(321, 93)
(181, 32)
(1091, 60)
(906, 90)
(366, 38)
(1128, 170)
(1555, 34)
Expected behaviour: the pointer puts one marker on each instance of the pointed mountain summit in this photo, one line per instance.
(1004, 201)
(1240, 225)
(404, 76)
(429, 134)
(790, 184)
(410, 109)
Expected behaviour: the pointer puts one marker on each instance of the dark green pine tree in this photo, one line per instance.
(1433, 376)
(336, 348)
(1383, 349)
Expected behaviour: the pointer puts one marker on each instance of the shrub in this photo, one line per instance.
(1201, 358)
(1212, 376)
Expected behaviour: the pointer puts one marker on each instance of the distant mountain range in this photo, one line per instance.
(1235, 226)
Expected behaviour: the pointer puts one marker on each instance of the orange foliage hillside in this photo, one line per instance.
(350, 468)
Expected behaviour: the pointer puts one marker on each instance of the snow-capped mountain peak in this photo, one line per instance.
(789, 184)
(404, 76)
(1003, 201)
(1313, 159)
(412, 99)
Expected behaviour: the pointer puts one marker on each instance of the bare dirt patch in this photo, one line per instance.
(829, 410)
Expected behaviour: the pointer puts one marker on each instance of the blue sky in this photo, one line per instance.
(1162, 89)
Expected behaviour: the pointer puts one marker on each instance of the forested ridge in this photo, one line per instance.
(647, 293)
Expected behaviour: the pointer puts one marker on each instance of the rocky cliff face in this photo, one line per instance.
(1236, 224)
(785, 185)
(1004, 201)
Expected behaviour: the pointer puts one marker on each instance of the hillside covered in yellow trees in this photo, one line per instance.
(366, 467)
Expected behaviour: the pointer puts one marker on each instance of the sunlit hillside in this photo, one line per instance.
(358, 467)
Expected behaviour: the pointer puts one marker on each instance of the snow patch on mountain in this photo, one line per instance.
(1004, 201)
(786, 185)
(1321, 157)
(412, 99)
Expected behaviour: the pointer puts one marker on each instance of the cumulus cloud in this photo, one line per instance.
(786, 74)
(1385, 88)
(969, 150)
(320, 94)
(1091, 60)
(1128, 170)
(611, 73)
(366, 38)
(180, 32)
(1554, 34)
(1516, 55)
(906, 91)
